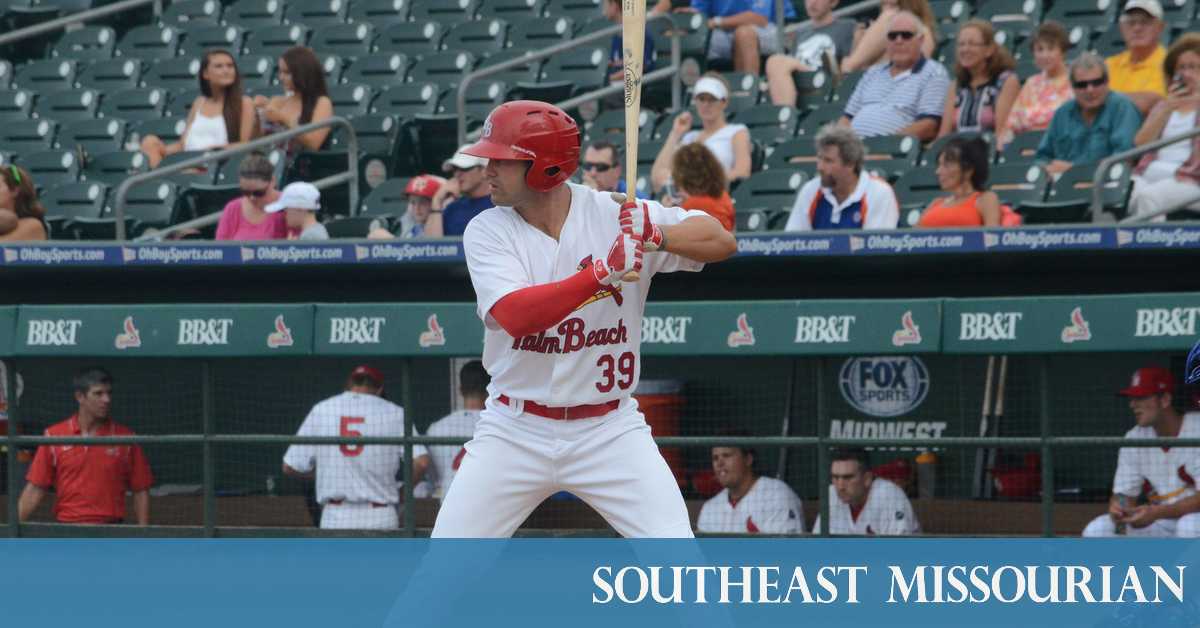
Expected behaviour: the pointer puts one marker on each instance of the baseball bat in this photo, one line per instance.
(633, 44)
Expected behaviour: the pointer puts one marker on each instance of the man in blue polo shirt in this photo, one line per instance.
(905, 95)
(742, 30)
(462, 198)
(1096, 124)
(845, 196)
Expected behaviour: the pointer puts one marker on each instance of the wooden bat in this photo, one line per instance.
(633, 45)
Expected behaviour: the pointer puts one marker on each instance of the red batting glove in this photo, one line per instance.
(635, 219)
(625, 256)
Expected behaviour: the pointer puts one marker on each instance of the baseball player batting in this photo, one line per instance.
(562, 335)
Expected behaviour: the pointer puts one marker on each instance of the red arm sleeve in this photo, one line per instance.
(41, 472)
(140, 478)
(536, 308)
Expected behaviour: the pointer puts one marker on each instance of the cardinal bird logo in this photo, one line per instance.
(744, 336)
(1078, 330)
(282, 336)
(434, 336)
(130, 338)
(909, 332)
(612, 291)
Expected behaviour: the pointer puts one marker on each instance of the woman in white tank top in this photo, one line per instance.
(730, 143)
(221, 117)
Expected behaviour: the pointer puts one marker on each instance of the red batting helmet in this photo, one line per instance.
(532, 131)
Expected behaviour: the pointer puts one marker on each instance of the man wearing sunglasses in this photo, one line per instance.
(1095, 124)
(602, 167)
(906, 95)
(1138, 72)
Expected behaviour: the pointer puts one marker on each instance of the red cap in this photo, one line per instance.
(371, 373)
(425, 185)
(1150, 380)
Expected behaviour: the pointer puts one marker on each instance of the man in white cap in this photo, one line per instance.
(461, 198)
(1138, 72)
(301, 202)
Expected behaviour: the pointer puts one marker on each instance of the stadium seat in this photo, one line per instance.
(353, 226)
(168, 129)
(273, 41)
(255, 14)
(351, 99)
(930, 154)
(90, 43)
(114, 167)
(769, 124)
(813, 89)
(6, 74)
(888, 147)
(148, 205)
(93, 136)
(819, 117)
(445, 12)
(22, 136)
(481, 98)
(662, 127)
(145, 103)
(511, 11)
(1099, 15)
(693, 41)
(387, 199)
(377, 135)
(915, 190)
(436, 138)
(480, 38)
(182, 12)
(541, 32)
(444, 68)
(16, 104)
(751, 221)
(348, 41)
(317, 13)
(378, 70)
(381, 13)
(1069, 199)
(47, 76)
(414, 39)
(1018, 183)
(612, 122)
(1022, 148)
(68, 104)
(69, 201)
(258, 71)
(334, 67)
(578, 10)
(112, 74)
(584, 68)
(174, 75)
(200, 37)
(950, 12)
(150, 42)
(1006, 14)
(770, 191)
(407, 100)
(845, 87)
(51, 167)
(180, 103)
(527, 73)
(20, 16)
(743, 91)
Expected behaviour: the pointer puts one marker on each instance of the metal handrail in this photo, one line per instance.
(854, 9)
(350, 175)
(75, 18)
(1108, 162)
(608, 31)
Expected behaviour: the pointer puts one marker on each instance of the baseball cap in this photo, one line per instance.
(297, 195)
(425, 185)
(463, 160)
(371, 373)
(1149, 6)
(1148, 381)
(711, 86)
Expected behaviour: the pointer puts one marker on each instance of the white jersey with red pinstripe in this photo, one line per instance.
(444, 459)
(1170, 472)
(769, 507)
(887, 513)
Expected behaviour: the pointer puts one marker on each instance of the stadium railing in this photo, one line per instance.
(76, 18)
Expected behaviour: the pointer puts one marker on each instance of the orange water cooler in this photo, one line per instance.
(662, 400)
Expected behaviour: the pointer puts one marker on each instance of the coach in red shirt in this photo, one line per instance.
(90, 480)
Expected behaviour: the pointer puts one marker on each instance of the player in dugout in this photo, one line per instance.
(860, 503)
(749, 503)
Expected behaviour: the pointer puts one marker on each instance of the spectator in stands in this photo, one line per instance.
(300, 203)
(220, 117)
(985, 85)
(1170, 177)
(742, 31)
(729, 142)
(1044, 92)
(245, 217)
(860, 503)
(90, 480)
(305, 100)
(749, 503)
(1095, 124)
(820, 45)
(473, 382)
(21, 214)
(1137, 72)
(462, 198)
(872, 47)
(698, 182)
(616, 65)
(420, 192)
(962, 170)
(602, 167)
(906, 95)
(1165, 473)
(845, 196)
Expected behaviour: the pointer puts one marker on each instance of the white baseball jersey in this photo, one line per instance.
(444, 459)
(887, 512)
(1170, 472)
(590, 357)
(769, 507)
(353, 473)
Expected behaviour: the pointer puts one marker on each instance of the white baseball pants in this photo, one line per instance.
(1187, 526)
(517, 460)
(359, 516)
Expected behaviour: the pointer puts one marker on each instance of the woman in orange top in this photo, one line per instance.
(699, 182)
(962, 171)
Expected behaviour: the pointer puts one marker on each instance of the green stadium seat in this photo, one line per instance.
(1069, 199)
(444, 68)
(6, 74)
(69, 201)
(819, 117)
(744, 91)
(1022, 148)
(663, 125)
(258, 71)
(386, 200)
(349, 41)
(796, 154)
(94, 137)
(19, 16)
(511, 11)
(317, 13)
(1099, 15)
(693, 41)
(51, 167)
(541, 32)
(174, 75)
(481, 38)
(415, 39)
(1018, 183)
(930, 154)
(887, 147)
(200, 37)
(1009, 14)
(585, 68)
(68, 104)
(27, 136)
(751, 221)
(146, 103)
(255, 14)
(16, 104)
(769, 124)
(168, 129)
(950, 12)
(770, 191)
(180, 103)
(112, 74)
(150, 42)
(436, 138)
(333, 66)
(377, 144)
(916, 189)
(90, 43)
(273, 41)
(49, 75)
(381, 13)
(353, 226)
(845, 87)
(481, 98)
(114, 167)
(527, 73)
(351, 99)
(578, 10)
(813, 89)
(189, 11)
(612, 122)
(378, 70)
(408, 100)
(447, 12)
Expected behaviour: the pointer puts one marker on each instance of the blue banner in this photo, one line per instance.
(603, 583)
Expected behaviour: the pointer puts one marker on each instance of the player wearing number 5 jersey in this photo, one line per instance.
(356, 484)
(562, 334)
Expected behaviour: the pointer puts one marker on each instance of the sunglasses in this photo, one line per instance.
(1086, 84)
(598, 167)
(905, 35)
(254, 193)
